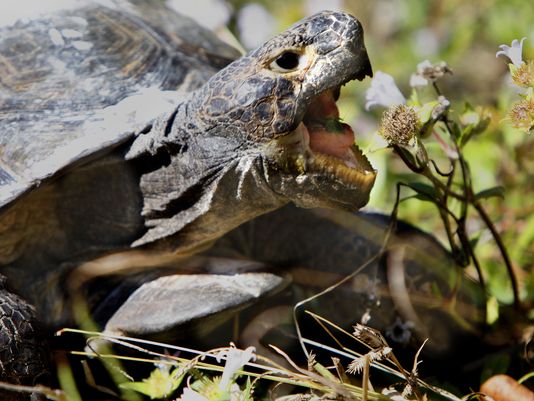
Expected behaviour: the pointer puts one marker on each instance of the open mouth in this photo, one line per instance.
(327, 146)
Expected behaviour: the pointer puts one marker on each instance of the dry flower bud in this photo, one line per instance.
(429, 72)
(524, 74)
(442, 108)
(400, 124)
(522, 114)
(478, 118)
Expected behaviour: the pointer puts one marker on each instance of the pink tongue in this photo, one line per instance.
(335, 144)
(331, 143)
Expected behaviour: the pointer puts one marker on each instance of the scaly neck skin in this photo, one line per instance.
(202, 180)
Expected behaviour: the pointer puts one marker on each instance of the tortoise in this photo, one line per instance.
(405, 291)
(132, 137)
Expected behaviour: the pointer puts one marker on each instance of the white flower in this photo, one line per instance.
(417, 80)
(512, 52)
(191, 395)
(235, 360)
(383, 92)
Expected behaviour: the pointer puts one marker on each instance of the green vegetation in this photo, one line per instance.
(466, 35)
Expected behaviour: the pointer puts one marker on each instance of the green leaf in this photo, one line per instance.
(497, 191)
(424, 191)
(247, 391)
(413, 100)
(425, 112)
(407, 155)
(421, 154)
(473, 121)
(456, 130)
(427, 129)
(160, 384)
(492, 310)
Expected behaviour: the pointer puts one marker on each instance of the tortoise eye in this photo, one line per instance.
(288, 61)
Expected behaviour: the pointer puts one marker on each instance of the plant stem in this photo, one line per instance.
(478, 268)
(425, 171)
(504, 253)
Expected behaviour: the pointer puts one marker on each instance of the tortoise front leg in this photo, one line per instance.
(186, 301)
(24, 353)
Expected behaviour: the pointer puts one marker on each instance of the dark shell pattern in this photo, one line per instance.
(67, 81)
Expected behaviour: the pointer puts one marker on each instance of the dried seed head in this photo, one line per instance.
(408, 390)
(357, 365)
(400, 124)
(524, 74)
(369, 336)
(311, 361)
(522, 114)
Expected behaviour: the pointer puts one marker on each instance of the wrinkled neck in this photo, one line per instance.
(197, 181)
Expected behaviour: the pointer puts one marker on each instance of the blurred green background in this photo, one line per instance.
(400, 34)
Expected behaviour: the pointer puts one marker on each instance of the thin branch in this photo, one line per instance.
(478, 268)
(441, 173)
(425, 171)
(411, 166)
(504, 253)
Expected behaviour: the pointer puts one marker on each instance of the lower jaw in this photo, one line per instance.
(348, 165)
(333, 167)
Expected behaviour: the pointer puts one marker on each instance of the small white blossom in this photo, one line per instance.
(417, 80)
(235, 360)
(428, 72)
(423, 66)
(191, 395)
(512, 52)
(441, 108)
(383, 92)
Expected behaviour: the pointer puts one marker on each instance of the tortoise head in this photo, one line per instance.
(278, 103)
(262, 132)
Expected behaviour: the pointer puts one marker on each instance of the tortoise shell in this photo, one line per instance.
(64, 78)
